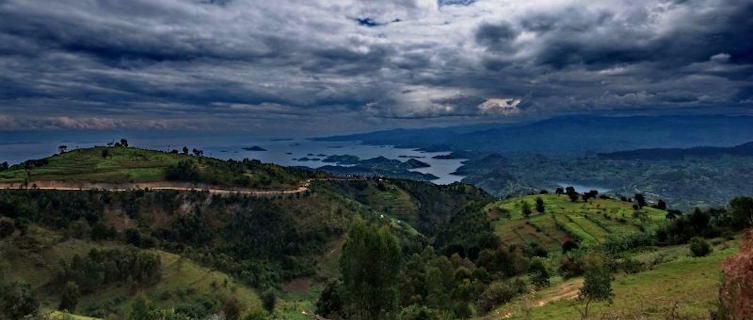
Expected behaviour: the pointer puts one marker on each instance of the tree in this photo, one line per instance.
(597, 286)
(640, 200)
(569, 245)
(539, 274)
(330, 303)
(7, 227)
(540, 205)
(185, 150)
(17, 301)
(4, 166)
(661, 205)
(559, 191)
(269, 300)
(699, 220)
(369, 262)
(69, 300)
(741, 210)
(124, 143)
(62, 148)
(590, 195)
(673, 214)
(572, 194)
(105, 153)
(525, 209)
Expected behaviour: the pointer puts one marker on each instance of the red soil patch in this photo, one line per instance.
(736, 292)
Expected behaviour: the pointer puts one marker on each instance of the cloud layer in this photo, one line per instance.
(357, 64)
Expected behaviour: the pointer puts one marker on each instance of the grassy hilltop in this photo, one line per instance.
(120, 165)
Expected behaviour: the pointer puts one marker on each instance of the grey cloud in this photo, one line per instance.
(193, 63)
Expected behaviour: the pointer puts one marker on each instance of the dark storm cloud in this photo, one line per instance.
(496, 36)
(254, 64)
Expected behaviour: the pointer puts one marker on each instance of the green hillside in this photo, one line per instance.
(589, 223)
(121, 165)
(373, 247)
(674, 284)
(35, 258)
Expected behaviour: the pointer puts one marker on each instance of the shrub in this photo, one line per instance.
(7, 227)
(418, 312)
(699, 247)
(569, 245)
(569, 267)
(69, 300)
(500, 292)
(539, 274)
(330, 302)
(629, 265)
(495, 294)
(269, 300)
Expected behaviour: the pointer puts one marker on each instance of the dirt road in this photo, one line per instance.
(165, 185)
(76, 186)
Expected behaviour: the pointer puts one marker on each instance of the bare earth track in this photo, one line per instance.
(60, 185)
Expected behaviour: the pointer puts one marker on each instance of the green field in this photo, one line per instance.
(590, 223)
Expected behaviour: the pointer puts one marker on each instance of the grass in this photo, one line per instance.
(119, 165)
(683, 284)
(88, 165)
(33, 259)
(589, 223)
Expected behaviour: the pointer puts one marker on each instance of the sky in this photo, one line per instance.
(325, 66)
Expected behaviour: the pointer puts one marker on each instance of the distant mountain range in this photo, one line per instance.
(571, 135)
(745, 149)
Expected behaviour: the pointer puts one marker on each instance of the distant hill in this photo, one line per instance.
(571, 135)
(745, 150)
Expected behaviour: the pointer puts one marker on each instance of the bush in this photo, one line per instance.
(501, 292)
(539, 274)
(699, 247)
(629, 265)
(569, 245)
(269, 300)
(570, 267)
(330, 302)
(184, 170)
(418, 312)
(7, 227)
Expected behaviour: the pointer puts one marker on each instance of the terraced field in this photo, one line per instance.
(590, 223)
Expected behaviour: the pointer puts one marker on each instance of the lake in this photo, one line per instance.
(19, 146)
